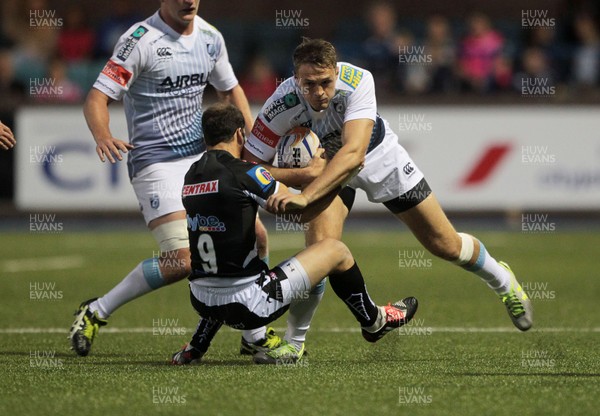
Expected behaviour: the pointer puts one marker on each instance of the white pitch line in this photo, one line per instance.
(448, 329)
(44, 263)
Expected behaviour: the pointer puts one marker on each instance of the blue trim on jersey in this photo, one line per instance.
(152, 273)
(377, 134)
(480, 260)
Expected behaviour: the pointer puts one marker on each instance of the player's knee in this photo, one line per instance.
(172, 236)
(339, 252)
(175, 265)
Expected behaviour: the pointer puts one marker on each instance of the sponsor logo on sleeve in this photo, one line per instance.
(210, 187)
(265, 134)
(251, 145)
(130, 43)
(261, 176)
(280, 105)
(350, 76)
(117, 73)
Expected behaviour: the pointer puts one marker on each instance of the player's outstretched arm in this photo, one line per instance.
(7, 138)
(294, 177)
(345, 163)
(285, 201)
(95, 110)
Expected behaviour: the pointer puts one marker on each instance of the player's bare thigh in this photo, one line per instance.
(329, 223)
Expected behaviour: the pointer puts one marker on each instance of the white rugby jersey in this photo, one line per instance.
(161, 76)
(354, 99)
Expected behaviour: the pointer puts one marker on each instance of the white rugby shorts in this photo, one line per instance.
(257, 301)
(389, 171)
(158, 187)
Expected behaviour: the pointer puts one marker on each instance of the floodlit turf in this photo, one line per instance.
(458, 357)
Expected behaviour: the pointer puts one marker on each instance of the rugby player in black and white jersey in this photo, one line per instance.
(229, 284)
(160, 69)
(337, 101)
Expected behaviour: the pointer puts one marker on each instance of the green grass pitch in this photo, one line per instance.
(460, 356)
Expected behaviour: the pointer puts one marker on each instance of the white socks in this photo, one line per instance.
(486, 267)
(254, 335)
(300, 315)
(144, 278)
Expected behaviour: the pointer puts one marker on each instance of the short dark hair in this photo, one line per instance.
(317, 52)
(219, 123)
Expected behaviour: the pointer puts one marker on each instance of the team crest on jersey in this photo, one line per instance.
(339, 107)
(261, 176)
(350, 76)
(211, 49)
(130, 43)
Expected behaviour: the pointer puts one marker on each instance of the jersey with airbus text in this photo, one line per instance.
(354, 99)
(221, 195)
(161, 75)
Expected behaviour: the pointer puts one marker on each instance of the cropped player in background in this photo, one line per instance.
(337, 101)
(7, 138)
(229, 284)
(160, 68)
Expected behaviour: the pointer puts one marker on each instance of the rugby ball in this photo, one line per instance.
(296, 148)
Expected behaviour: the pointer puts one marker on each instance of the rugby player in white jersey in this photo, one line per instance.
(160, 68)
(229, 284)
(337, 101)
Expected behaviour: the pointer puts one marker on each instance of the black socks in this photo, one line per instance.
(350, 287)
